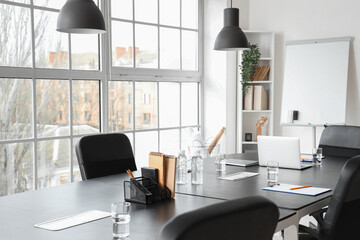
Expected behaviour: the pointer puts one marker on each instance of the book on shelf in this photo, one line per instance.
(261, 73)
(260, 98)
(249, 99)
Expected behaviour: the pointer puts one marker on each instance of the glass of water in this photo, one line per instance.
(220, 162)
(120, 213)
(273, 173)
(317, 156)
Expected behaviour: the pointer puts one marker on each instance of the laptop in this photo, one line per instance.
(285, 150)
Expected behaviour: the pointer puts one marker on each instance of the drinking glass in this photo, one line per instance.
(317, 156)
(273, 173)
(120, 213)
(220, 162)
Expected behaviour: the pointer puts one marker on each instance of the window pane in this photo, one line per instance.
(53, 163)
(169, 94)
(169, 48)
(85, 51)
(187, 138)
(86, 106)
(145, 105)
(16, 103)
(122, 9)
(120, 106)
(189, 50)
(146, 11)
(146, 42)
(122, 42)
(189, 14)
(145, 142)
(15, 36)
(20, 1)
(16, 167)
(52, 100)
(131, 139)
(50, 3)
(170, 12)
(189, 104)
(169, 142)
(76, 170)
(51, 47)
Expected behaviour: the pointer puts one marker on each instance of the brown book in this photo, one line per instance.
(256, 74)
(264, 72)
(156, 160)
(170, 173)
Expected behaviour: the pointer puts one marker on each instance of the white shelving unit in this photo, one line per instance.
(246, 119)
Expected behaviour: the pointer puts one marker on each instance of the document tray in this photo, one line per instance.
(155, 192)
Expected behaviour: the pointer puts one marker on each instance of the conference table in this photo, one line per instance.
(20, 212)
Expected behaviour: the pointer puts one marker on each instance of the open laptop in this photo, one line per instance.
(285, 150)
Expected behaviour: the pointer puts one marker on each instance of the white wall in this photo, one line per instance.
(219, 93)
(309, 19)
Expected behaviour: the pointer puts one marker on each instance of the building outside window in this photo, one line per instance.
(53, 85)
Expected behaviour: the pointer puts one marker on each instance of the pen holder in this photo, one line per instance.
(144, 191)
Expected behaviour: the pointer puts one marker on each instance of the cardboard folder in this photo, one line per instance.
(170, 173)
(156, 160)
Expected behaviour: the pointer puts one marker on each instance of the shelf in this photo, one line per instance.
(250, 143)
(265, 59)
(257, 31)
(258, 82)
(256, 111)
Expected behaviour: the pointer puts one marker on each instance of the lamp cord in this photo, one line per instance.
(231, 4)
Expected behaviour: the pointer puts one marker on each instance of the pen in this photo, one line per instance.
(130, 173)
(295, 188)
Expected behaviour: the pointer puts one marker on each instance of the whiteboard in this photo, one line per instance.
(315, 81)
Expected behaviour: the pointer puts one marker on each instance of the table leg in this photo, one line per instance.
(291, 233)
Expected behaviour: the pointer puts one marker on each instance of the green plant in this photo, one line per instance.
(250, 59)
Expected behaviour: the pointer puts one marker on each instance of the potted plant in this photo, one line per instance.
(250, 59)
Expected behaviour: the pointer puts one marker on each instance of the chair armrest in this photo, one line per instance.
(313, 232)
(319, 215)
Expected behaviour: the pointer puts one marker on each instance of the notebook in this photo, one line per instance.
(241, 162)
(285, 188)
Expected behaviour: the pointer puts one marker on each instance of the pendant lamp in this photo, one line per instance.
(231, 37)
(80, 16)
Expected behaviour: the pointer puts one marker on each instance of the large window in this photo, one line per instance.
(57, 87)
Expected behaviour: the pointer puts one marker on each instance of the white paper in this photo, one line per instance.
(310, 191)
(70, 221)
(239, 175)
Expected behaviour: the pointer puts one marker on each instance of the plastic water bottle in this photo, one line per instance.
(197, 168)
(181, 168)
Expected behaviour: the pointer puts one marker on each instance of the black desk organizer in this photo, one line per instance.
(155, 192)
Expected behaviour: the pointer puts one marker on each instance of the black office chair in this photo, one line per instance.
(251, 218)
(340, 141)
(342, 217)
(104, 154)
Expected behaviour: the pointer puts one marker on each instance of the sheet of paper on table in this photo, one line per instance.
(238, 176)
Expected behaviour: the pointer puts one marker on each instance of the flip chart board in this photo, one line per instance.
(315, 81)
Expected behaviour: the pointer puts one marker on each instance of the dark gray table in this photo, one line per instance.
(20, 212)
(320, 176)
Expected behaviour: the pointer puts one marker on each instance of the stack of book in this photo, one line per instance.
(256, 99)
(261, 73)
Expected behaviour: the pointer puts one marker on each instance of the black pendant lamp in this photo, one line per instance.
(231, 37)
(80, 16)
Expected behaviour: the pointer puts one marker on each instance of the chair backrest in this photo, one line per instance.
(340, 141)
(251, 218)
(104, 154)
(343, 215)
